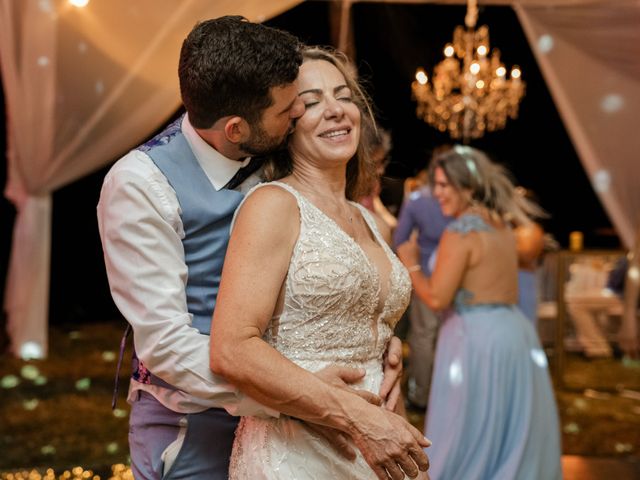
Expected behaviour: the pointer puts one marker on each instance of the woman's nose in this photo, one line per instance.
(333, 109)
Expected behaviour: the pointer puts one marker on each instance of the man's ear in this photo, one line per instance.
(237, 129)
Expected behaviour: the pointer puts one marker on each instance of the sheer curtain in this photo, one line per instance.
(589, 55)
(82, 85)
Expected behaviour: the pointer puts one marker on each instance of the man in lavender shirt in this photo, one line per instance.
(421, 212)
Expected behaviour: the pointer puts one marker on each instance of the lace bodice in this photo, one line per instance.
(469, 222)
(331, 295)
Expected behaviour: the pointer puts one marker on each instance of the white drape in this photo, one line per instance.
(590, 58)
(82, 85)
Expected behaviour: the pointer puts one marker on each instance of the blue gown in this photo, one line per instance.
(528, 295)
(492, 412)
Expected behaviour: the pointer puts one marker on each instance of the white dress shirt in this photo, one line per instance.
(141, 232)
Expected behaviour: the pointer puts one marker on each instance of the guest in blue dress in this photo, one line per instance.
(492, 413)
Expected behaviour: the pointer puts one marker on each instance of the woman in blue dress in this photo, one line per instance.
(491, 413)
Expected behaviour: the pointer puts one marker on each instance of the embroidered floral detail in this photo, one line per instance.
(163, 137)
(142, 374)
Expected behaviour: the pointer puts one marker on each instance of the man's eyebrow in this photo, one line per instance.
(319, 91)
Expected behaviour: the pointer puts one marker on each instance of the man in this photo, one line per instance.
(164, 216)
(421, 212)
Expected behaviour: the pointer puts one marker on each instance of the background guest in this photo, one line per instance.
(492, 412)
(421, 213)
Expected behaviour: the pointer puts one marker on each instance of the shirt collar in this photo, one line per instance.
(218, 168)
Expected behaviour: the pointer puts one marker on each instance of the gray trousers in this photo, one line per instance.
(203, 442)
(422, 336)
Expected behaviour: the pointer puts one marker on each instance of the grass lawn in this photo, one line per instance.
(57, 413)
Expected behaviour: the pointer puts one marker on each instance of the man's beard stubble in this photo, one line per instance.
(261, 143)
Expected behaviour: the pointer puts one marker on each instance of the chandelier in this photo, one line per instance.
(470, 92)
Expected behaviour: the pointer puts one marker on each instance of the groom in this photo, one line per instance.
(164, 215)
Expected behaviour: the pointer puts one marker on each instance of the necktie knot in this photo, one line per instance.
(245, 172)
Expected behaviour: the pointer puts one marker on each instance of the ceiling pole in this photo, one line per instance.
(341, 31)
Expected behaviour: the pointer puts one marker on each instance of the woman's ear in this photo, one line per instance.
(236, 129)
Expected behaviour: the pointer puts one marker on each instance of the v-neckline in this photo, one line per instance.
(372, 267)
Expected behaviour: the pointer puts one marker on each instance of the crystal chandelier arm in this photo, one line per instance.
(471, 17)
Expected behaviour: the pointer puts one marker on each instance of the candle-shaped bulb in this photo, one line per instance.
(448, 50)
(421, 76)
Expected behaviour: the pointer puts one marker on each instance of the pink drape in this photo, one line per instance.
(82, 85)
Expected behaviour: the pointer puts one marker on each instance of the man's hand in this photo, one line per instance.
(391, 446)
(337, 439)
(391, 383)
(343, 377)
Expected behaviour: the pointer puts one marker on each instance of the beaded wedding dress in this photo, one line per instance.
(333, 314)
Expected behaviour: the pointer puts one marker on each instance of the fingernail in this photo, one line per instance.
(428, 441)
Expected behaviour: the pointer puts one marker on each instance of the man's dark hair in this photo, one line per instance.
(228, 65)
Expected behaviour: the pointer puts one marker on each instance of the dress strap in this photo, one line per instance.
(299, 198)
(371, 223)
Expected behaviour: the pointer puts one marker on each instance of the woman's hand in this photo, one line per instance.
(391, 383)
(409, 252)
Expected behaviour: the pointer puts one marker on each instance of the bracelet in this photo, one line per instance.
(414, 268)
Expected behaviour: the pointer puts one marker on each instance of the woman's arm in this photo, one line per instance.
(438, 290)
(257, 261)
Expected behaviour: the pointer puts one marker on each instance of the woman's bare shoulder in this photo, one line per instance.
(270, 198)
(268, 210)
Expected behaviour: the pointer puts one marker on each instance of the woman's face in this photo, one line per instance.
(452, 201)
(329, 130)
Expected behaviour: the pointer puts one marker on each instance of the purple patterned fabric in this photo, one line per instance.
(164, 136)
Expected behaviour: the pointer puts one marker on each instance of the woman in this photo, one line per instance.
(309, 282)
(491, 409)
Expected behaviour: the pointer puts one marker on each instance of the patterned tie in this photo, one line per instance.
(245, 172)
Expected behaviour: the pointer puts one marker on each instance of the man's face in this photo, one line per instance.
(276, 122)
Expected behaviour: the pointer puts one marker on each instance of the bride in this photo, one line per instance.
(309, 282)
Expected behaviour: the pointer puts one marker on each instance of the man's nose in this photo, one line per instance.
(297, 109)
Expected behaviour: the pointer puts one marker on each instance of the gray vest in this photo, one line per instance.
(206, 217)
